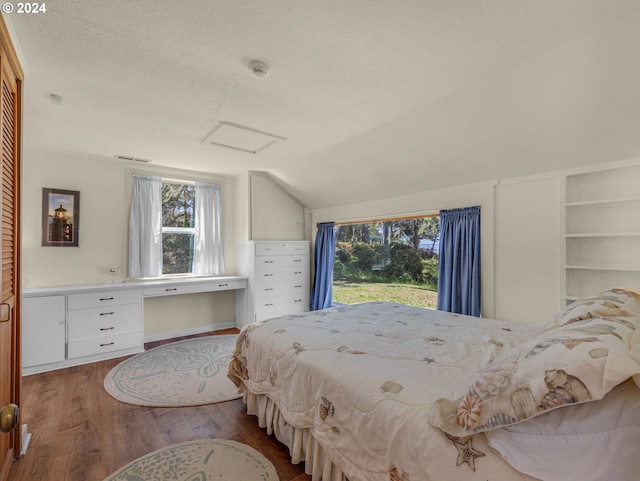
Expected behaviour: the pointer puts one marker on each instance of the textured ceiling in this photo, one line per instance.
(375, 98)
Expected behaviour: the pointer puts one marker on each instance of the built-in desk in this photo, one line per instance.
(70, 325)
(190, 285)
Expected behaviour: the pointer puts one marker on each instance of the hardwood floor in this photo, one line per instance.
(81, 433)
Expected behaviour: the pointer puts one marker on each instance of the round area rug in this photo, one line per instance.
(182, 373)
(200, 460)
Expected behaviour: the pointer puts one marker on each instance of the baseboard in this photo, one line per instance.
(78, 361)
(161, 336)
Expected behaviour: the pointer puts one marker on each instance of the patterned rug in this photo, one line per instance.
(183, 373)
(200, 460)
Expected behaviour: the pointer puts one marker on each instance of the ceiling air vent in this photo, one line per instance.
(134, 159)
(238, 137)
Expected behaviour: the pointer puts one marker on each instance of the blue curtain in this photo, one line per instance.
(459, 261)
(323, 256)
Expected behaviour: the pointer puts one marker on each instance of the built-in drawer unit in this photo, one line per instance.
(270, 307)
(277, 288)
(103, 321)
(295, 275)
(79, 325)
(115, 297)
(169, 289)
(104, 344)
(278, 275)
(281, 248)
(70, 325)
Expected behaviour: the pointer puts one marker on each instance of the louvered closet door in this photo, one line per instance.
(10, 363)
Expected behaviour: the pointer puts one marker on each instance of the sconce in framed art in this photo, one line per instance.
(60, 217)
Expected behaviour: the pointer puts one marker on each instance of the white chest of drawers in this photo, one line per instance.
(278, 274)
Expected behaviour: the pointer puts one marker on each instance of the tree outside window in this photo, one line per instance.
(393, 259)
(178, 227)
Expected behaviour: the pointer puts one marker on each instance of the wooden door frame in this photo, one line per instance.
(8, 53)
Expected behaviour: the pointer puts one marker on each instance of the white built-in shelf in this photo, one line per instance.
(605, 268)
(602, 231)
(604, 234)
(602, 201)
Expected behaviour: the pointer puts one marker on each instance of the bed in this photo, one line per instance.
(382, 391)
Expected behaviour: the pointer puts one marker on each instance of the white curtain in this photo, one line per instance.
(145, 227)
(207, 248)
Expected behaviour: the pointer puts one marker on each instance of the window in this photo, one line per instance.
(175, 227)
(178, 227)
(393, 260)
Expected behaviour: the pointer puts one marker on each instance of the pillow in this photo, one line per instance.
(573, 360)
(614, 302)
(603, 435)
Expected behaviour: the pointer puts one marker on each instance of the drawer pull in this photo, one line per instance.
(107, 344)
(268, 275)
(267, 305)
(107, 313)
(297, 287)
(268, 262)
(223, 285)
(298, 300)
(268, 289)
(169, 289)
(106, 298)
(297, 272)
(106, 328)
(297, 260)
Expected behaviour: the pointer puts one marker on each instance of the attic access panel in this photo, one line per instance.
(234, 136)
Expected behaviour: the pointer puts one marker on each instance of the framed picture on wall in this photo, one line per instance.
(60, 217)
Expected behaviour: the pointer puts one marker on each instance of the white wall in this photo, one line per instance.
(243, 229)
(102, 221)
(105, 195)
(528, 240)
(275, 214)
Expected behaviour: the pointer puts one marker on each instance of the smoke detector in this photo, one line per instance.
(258, 68)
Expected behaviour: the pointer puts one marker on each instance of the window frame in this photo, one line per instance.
(379, 220)
(179, 230)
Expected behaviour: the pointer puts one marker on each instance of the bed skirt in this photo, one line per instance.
(300, 441)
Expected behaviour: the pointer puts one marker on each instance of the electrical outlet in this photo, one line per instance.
(113, 270)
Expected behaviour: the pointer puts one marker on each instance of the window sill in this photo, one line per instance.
(174, 277)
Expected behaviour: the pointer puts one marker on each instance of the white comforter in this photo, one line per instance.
(363, 378)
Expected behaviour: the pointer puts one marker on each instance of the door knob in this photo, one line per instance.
(9, 417)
